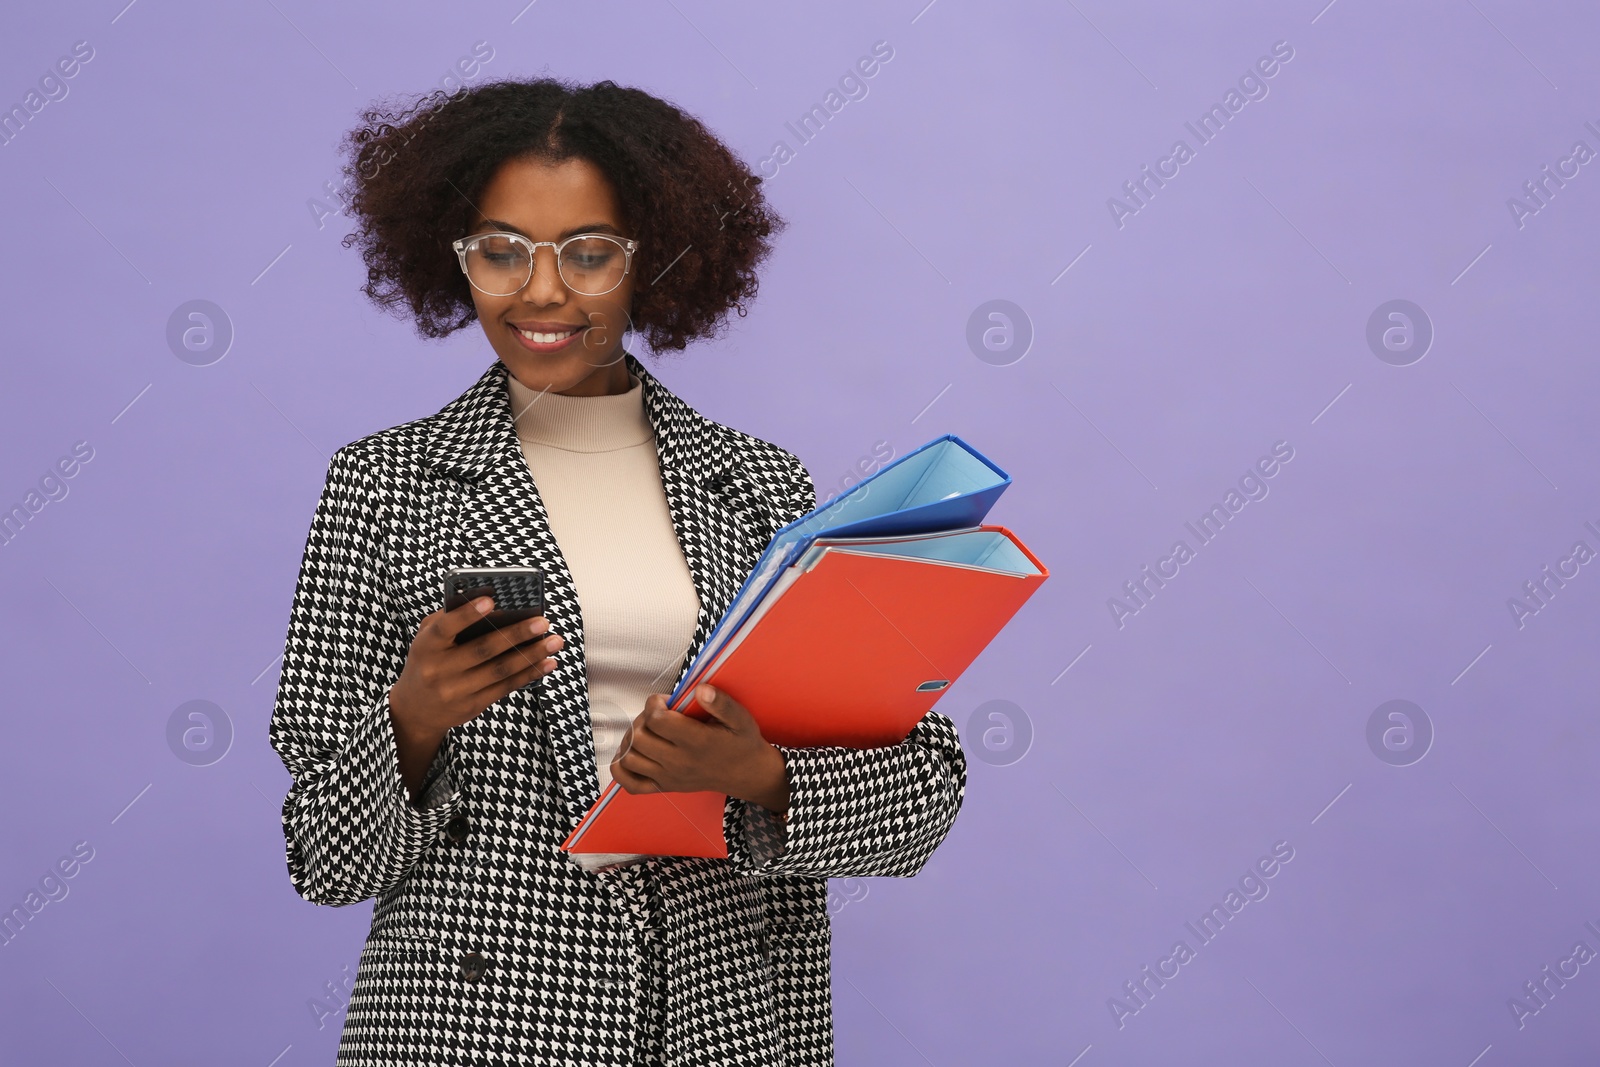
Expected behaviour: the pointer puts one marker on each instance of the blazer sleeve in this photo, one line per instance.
(350, 828)
(853, 812)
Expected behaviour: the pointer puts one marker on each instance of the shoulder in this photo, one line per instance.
(387, 454)
(763, 458)
(776, 472)
(770, 470)
(461, 437)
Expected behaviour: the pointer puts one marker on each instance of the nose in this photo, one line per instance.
(545, 286)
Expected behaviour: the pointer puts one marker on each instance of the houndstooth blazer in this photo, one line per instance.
(489, 945)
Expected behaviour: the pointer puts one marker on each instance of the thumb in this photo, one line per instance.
(721, 706)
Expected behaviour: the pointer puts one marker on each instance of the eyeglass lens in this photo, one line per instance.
(500, 266)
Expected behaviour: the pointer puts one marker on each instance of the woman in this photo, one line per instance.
(442, 779)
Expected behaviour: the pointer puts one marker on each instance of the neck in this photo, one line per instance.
(608, 381)
(578, 423)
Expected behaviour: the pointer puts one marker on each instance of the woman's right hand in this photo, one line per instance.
(444, 684)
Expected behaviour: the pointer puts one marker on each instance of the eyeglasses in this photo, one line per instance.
(500, 264)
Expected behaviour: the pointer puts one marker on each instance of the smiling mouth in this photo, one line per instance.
(548, 338)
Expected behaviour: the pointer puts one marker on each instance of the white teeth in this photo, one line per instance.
(546, 338)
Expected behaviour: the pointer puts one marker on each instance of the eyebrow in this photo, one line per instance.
(588, 227)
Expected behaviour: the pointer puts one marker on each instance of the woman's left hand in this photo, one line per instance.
(667, 751)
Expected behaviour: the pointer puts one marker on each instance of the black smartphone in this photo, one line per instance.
(518, 595)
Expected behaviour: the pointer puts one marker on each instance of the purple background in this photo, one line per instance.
(1228, 313)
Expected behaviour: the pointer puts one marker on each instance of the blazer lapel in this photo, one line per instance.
(495, 517)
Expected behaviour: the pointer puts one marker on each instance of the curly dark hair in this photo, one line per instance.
(415, 172)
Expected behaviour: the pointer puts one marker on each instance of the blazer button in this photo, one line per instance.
(455, 831)
(472, 966)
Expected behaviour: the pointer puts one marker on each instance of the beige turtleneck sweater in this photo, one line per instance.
(594, 462)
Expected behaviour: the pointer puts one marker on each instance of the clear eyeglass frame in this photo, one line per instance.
(464, 245)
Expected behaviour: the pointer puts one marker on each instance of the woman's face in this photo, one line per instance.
(550, 202)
